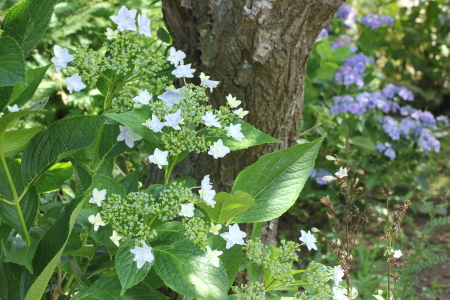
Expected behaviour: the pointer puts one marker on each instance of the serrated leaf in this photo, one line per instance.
(126, 267)
(28, 204)
(82, 177)
(228, 206)
(5, 94)
(51, 247)
(275, 181)
(15, 141)
(253, 137)
(22, 93)
(54, 178)
(108, 288)
(109, 145)
(183, 268)
(86, 251)
(27, 21)
(130, 182)
(59, 140)
(12, 63)
(23, 257)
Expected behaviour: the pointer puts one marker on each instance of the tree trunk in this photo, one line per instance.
(258, 50)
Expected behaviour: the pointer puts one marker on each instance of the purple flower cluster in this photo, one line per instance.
(362, 102)
(374, 21)
(317, 174)
(344, 41)
(323, 33)
(346, 15)
(353, 69)
(387, 149)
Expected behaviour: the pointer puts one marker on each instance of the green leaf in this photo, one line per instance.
(134, 119)
(363, 142)
(51, 247)
(326, 71)
(253, 137)
(183, 268)
(13, 278)
(22, 93)
(105, 86)
(130, 182)
(163, 35)
(23, 257)
(12, 63)
(40, 104)
(82, 177)
(275, 181)
(58, 141)
(85, 251)
(28, 204)
(108, 288)
(228, 206)
(126, 268)
(231, 258)
(9, 119)
(71, 266)
(15, 141)
(54, 178)
(27, 21)
(109, 145)
(5, 94)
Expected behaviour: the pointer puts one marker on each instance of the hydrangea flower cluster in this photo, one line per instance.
(279, 268)
(344, 41)
(317, 277)
(318, 175)
(387, 149)
(414, 122)
(374, 21)
(346, 15)
(254, 292)
(353, 70)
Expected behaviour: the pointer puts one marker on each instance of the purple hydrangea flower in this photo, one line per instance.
(380, 147)
(346, 15)
(389, 91)
(317, 174)
(323, 33)
(390, 153)
(443, 119)
(405, 94)
(374, 21)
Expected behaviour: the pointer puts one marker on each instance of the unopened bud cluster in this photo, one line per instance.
(129, 215)
(170, 200)
(281, 267)
(254, 292)
(196, 231)
(316, 276)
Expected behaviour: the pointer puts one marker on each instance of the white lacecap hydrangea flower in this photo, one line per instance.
(98, 197)
(172, 97)
(115, 238)
(96, 220)
(61, 58)
(218, 149)
(206, 192)
(234, 131)
(144, 25)
(213, 256)
(187, 210)
(232, 101)
(338, 273)
(159, 158)
(74, 83)
(342, 172)
(143, 97)
(309, 239)
(128, 136)
(233, 236)
(183, 71)
(174, 120)
(125, 19)
(176, 57)
(142, 254)
(154, 124)
(210, 119)
(13, 108)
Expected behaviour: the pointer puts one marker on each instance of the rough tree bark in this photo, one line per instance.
(258, 50)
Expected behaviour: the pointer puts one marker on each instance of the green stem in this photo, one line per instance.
(6, 201)
(96, 164)
(169, 170)
(15, 199)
